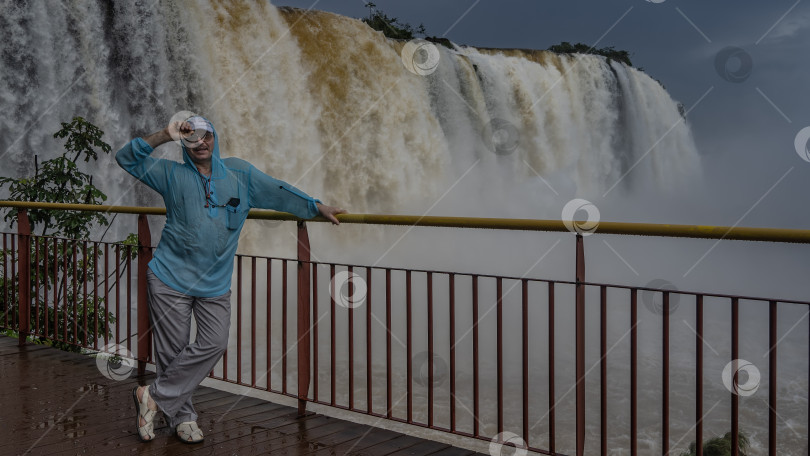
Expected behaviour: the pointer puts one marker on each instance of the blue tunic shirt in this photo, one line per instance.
(195, 253)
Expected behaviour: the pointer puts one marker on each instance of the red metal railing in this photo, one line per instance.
(437, 312)
(57, 305)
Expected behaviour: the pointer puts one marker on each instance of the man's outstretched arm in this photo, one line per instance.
(267, 192)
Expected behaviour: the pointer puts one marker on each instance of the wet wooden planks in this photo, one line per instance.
(58, 403)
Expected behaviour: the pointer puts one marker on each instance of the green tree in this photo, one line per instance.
(61, 259)
(579, 48)
(390, 26)
(59, 180)
(393, 28)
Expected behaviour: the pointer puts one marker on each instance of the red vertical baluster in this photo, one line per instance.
(665, 376)
(499, 339)
(269, 324)
(118, 294)
(552, 401)
(36, 286)
(332, 334)
(84, 291)
(225, 365)
(524, 293)
(47, 276)
(128, 268)
(284, 326)
(55, 289)
(225, 361)
(452, 304)
(238, 319)
(634, 371)
(106, 295)
(476, 390)
(580, 344)
(315, 318)
(369, 406)
(144, 257)
(603, 367)
(253, 322)
(15, 257)
(350, 286)
(75, 336)
(24, 257)
(430, 346)
(95, 296)
(304, 317)
(409, 369)
(699, 374)
(735, 355)
(772, 387)
(6, 301)
(66, 301)
(388, 404)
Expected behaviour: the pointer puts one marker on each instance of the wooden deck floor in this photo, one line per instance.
(57, 403)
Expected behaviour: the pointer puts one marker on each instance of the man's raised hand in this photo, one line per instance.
(179, 129)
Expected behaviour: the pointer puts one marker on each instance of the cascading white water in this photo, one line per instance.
(326, 103)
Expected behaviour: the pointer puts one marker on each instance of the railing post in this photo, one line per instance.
(144, 256)
(580, 344)
(772, 387)
(304, 319)
(24, 284)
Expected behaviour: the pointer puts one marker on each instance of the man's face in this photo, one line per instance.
(201, 149)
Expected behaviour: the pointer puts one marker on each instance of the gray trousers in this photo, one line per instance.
(181, 364)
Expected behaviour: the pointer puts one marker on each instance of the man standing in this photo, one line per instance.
(207, 200)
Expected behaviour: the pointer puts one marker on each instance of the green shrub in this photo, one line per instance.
(71, 260)
(720, 446)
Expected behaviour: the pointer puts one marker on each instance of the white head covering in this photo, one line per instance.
(200, 123)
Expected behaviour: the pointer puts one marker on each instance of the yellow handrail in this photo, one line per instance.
(633, 229)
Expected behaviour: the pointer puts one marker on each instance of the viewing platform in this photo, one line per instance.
(509, 363)
(57, 403)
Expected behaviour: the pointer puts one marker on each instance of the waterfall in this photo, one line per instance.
(325, 102)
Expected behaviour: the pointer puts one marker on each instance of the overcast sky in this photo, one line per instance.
(740, 67)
